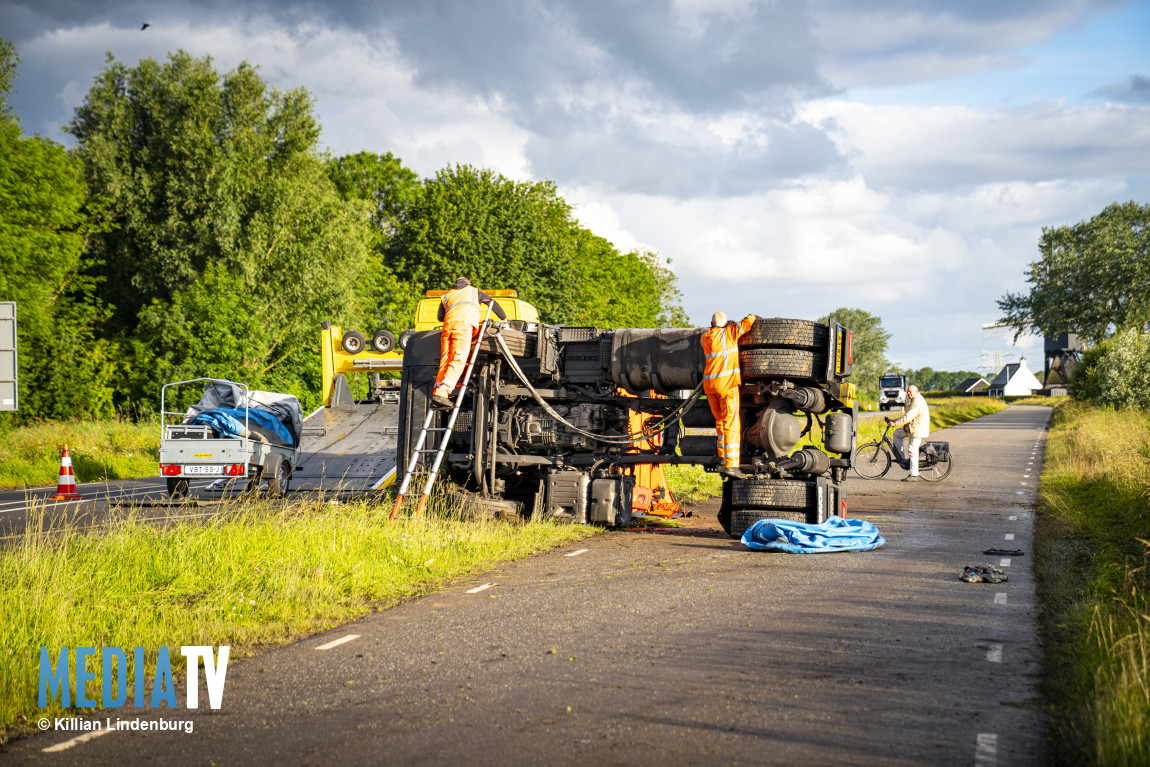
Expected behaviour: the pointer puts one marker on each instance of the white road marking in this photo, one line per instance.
(1000, 598)
(577, 553)
(1004, 562)
(1020, 492)
(477, 589)
(1026, 475)
(1023, 484)
(75, 741)
(1012, 517)
(994, 653)
(1009, 536)
(985, 750)
(338, 642)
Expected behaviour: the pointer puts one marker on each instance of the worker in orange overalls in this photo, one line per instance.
(460, 315)
(721, 381)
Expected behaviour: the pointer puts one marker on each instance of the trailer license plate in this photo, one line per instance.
(203, 470)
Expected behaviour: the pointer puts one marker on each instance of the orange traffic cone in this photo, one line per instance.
(66, 487)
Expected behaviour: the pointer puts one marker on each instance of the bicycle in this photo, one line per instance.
(873, 459)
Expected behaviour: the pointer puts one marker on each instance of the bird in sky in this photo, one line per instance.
(144, 26)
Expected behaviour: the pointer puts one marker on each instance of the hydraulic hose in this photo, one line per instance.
(646, 433)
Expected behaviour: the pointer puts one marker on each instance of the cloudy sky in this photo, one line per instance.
(790, 157)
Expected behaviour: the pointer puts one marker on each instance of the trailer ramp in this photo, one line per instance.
(349, 447)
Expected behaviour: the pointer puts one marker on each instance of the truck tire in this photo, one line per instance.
(772, 494)
(793, 363)
(784, 333)
(277, 476)
(353, 342)
(742, 519)
(404, 337)
(177, 487)
(383, 341)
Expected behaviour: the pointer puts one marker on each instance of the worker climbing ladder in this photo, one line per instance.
(446, 431)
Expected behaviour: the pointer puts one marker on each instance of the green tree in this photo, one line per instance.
(64, 370)
(507, 234)
(870, 343)
(231, 242)
(1093, 277)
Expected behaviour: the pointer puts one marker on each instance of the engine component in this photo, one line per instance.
(567, 495)
(838, 433)
(809, 460)
(530, 426)
(611, 501)
(776, 432)
(807, 398)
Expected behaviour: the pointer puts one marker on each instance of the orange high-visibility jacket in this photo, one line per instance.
(461, 305)
(721, 347)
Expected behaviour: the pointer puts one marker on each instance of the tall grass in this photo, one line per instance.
(1091, 556)
(100, 450)
(257, 574)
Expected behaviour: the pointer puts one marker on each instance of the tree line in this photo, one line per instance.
(196, 228)
(1092, 279)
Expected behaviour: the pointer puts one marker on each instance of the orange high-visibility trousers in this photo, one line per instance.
(725, 407)
(454, 348)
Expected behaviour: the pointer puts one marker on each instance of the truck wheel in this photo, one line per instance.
(792, 363)
(277, 475)
(772, 494)
(742, 519)
(353, 342)
(404, 337)
(177, 487)
(383, 341)
(792, 334)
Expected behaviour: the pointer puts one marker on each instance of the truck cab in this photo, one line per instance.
(891, 391)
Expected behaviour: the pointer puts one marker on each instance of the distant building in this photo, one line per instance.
(1013, 380)
(974, 385)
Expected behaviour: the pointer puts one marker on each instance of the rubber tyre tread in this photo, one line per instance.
(277, 480)
(383, 341)
(786, 333)
(742, 519)
(771, 494)
(934, 474)
(178, 487)
(353, 342)
(884, 461)
(792, 363)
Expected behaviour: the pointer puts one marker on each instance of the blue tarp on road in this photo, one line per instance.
(836, 534)
(229, 422)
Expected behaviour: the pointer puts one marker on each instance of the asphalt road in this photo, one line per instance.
(670, 647)
(145, 498)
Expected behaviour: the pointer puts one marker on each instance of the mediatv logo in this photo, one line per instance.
(113, 662)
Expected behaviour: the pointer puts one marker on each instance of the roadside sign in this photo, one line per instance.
(8, 398)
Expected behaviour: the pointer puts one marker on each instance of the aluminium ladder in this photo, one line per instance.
(418, 450)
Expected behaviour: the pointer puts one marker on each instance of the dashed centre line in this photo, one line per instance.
(1000, 598)
(1004, 562)
(1009, 536)
(477, 589)
(338, 642)
(994, 653)
(577, 553)
(1013, 517)
(985, 750)
(75, 741)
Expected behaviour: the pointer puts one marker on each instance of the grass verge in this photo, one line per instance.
(1091, 556)
(100, 450)
(257, 574)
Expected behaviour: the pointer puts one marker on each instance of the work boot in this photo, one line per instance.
(911, 478)
(732, 472)
(439, 402)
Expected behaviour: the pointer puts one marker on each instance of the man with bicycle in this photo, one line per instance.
(914, 427)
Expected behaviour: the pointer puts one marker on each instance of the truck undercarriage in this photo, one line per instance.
(546, 426)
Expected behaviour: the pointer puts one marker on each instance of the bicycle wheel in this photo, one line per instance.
(938, 471)
(872, 461)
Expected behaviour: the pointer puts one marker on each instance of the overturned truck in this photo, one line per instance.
(547, 427)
